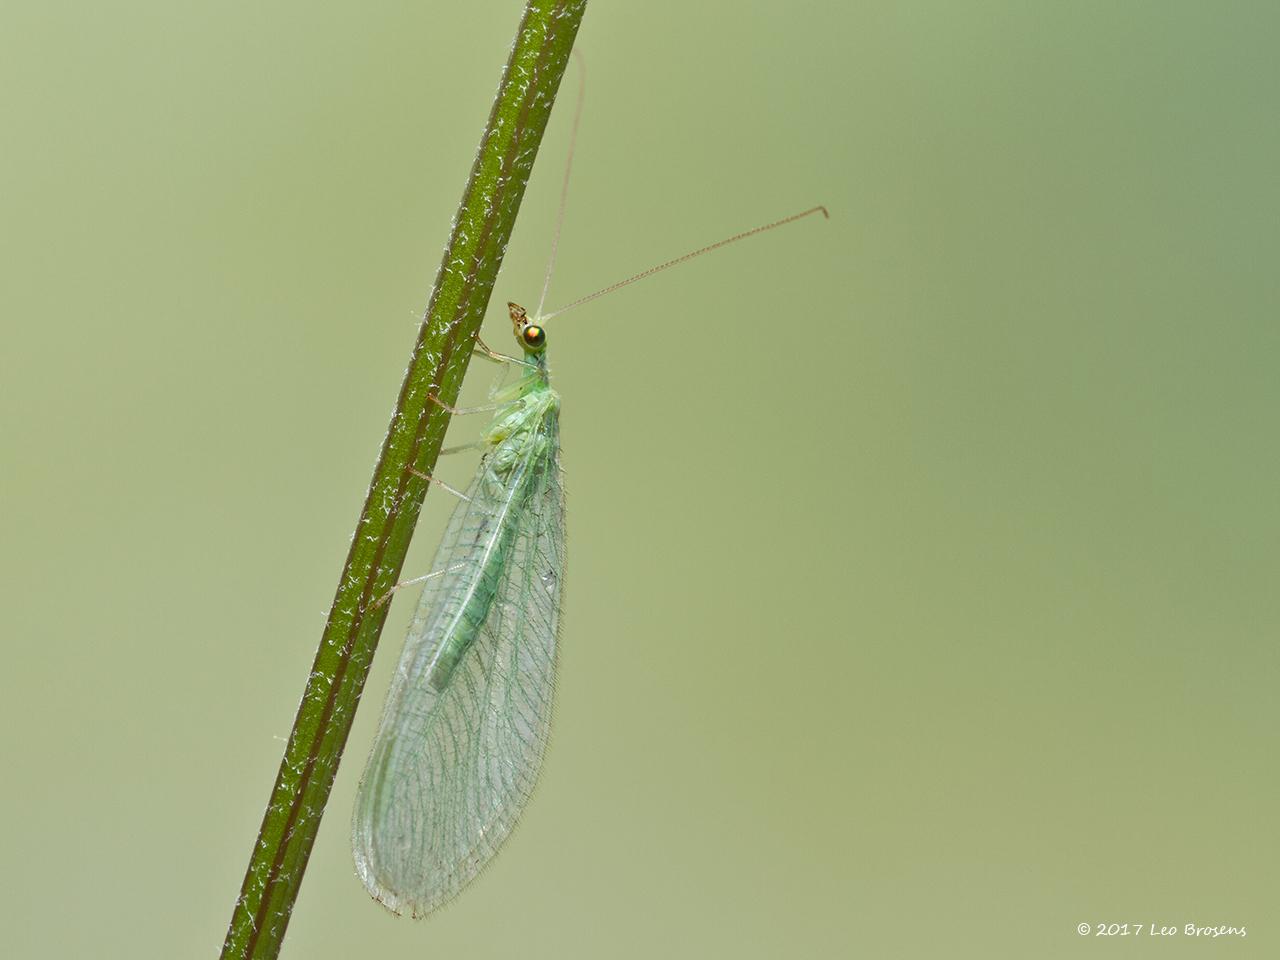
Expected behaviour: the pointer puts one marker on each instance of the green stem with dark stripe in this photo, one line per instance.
(463, 286)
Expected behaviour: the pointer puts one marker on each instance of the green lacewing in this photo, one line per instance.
(468, 714)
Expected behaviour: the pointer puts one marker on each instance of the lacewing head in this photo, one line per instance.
(531, 336)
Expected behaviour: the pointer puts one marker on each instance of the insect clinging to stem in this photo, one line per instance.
(467, 717)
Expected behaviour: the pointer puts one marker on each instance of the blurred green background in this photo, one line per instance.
(922, 589)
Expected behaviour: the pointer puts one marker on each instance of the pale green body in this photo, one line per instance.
(467, 717)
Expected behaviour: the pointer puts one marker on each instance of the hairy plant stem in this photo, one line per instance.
(463, 286)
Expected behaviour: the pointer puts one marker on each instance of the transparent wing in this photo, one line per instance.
(452, 769)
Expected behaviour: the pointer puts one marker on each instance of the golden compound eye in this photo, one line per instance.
(533, 337)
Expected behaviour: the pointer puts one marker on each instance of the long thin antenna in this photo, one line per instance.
(564, 186)
(688, 256)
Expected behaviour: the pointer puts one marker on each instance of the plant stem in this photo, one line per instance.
(463, 285)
